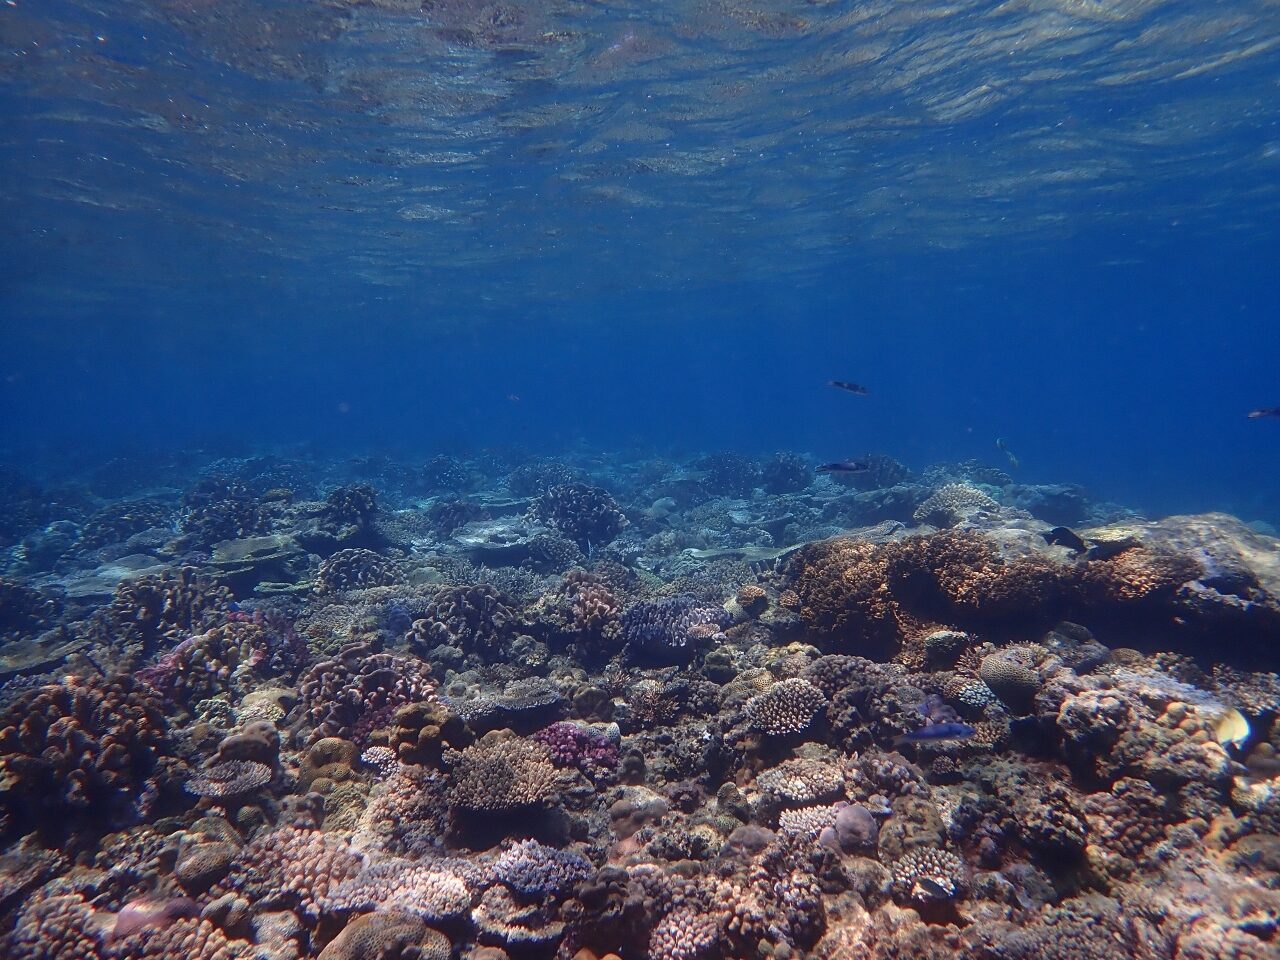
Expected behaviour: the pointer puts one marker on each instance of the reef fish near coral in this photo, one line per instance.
(845, 466)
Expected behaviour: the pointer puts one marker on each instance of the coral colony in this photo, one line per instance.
(718, 710)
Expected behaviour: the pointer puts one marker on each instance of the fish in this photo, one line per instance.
(845, 466)
(934, 889)
(950, 730)
(1264, 413)
(1004, 448)
(854, 388)
(1065, 537)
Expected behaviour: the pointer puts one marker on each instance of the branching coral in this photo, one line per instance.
(475, 618)
(667, 630)
(354, 568)
(337, 694)
(80, 750)
(295, 868)
(787, 707)
(499, 775)
(953, 503)
(587, 515)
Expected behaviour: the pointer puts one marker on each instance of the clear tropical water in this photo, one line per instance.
(657, 225)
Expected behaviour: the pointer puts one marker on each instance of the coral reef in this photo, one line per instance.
(709, 714)
(587, 515)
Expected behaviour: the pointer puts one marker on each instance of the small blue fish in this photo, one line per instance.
(950, 730)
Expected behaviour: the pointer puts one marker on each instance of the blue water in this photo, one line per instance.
(651, 227)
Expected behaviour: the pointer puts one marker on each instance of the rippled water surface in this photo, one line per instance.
(553, 146)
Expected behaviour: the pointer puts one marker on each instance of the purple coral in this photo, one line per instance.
(573, 745)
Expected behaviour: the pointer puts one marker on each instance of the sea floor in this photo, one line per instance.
(290, 706)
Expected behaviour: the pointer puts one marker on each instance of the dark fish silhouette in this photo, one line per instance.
(850, 387)
(845, 466)
(951, 730)
(1264, 413)
(1004, 448)
(934, 889)
(1065, 537)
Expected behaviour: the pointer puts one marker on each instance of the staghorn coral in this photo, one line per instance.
(728, 474)
(24, 610)
(786, 473)
(786, 707)
(587, 515)
(842, 590)
(446, 473)
(80, 751)
(501, 774)
(538, 476)
(357, 684)
(476, 619)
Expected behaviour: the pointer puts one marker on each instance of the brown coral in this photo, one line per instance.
(80, 750)
(359, 685)
(501, 774)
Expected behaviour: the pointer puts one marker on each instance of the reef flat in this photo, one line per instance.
(289, 707)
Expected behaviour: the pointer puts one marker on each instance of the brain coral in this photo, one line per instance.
(80, 750)
(1015, 683)
(375, 936)
(230, 779)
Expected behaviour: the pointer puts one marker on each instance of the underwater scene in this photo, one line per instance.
(640, 480)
